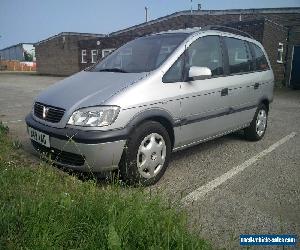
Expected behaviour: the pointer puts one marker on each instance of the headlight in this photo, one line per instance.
(94, 116)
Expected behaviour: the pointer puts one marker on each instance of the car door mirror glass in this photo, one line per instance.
(199, 73)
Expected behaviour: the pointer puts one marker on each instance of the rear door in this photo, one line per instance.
(243, 81)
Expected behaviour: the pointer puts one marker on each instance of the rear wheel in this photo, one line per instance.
(146, 155)
(258, 126)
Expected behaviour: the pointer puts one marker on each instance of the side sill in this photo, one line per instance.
(209, 138)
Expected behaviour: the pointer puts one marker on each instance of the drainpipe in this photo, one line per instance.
(286, 80)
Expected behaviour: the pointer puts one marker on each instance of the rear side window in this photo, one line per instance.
(260, 58)
(239, 56)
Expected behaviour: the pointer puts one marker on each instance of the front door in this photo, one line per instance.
(204, 103)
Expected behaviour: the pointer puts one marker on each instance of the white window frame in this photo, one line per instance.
(94, 52)
(83, 56)
(280, 52)
(107, 50)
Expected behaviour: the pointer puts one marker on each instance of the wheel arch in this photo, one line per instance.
(266, 102)
(159, 115)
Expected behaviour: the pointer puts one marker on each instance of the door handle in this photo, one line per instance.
(224, 92)
(256, 85)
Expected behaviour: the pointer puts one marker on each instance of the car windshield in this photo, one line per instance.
(140, 55)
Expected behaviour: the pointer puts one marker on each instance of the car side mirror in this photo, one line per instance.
(199, 73)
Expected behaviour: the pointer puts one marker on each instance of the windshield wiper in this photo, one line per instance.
(113, 70)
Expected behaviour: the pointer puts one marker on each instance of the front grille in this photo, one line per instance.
(59, 156)
(53, 114)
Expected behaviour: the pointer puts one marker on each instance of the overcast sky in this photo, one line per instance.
(34, 20)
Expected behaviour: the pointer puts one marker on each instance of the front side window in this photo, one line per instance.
(239, 56)
(280, 53)
(206, 52)
(141, 55)
(260, 59)
(175, 73)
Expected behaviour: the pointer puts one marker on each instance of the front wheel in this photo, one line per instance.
(258, 126)
(146, 154)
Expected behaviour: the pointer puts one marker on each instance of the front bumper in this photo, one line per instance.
(89, 151)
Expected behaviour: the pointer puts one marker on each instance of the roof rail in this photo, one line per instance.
(227, 28)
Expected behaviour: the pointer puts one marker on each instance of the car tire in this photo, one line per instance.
(258, 126)
(146, 154)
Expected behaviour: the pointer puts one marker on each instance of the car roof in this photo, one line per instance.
(185, 31)
(199, 30)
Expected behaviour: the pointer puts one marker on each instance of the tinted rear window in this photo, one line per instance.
(260, 58)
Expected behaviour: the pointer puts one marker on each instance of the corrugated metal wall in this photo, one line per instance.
(13, 53)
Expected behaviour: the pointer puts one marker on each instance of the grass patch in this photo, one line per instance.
(42, 207)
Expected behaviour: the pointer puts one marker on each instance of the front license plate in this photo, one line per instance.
(39, 137)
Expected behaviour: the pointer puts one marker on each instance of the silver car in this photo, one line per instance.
(155, 95)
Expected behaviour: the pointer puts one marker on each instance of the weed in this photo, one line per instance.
(3, 129)
(42, 207)
(16, 144)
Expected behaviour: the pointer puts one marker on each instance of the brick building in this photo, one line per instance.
(58, 55)
(92, 50)
(278, 29)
